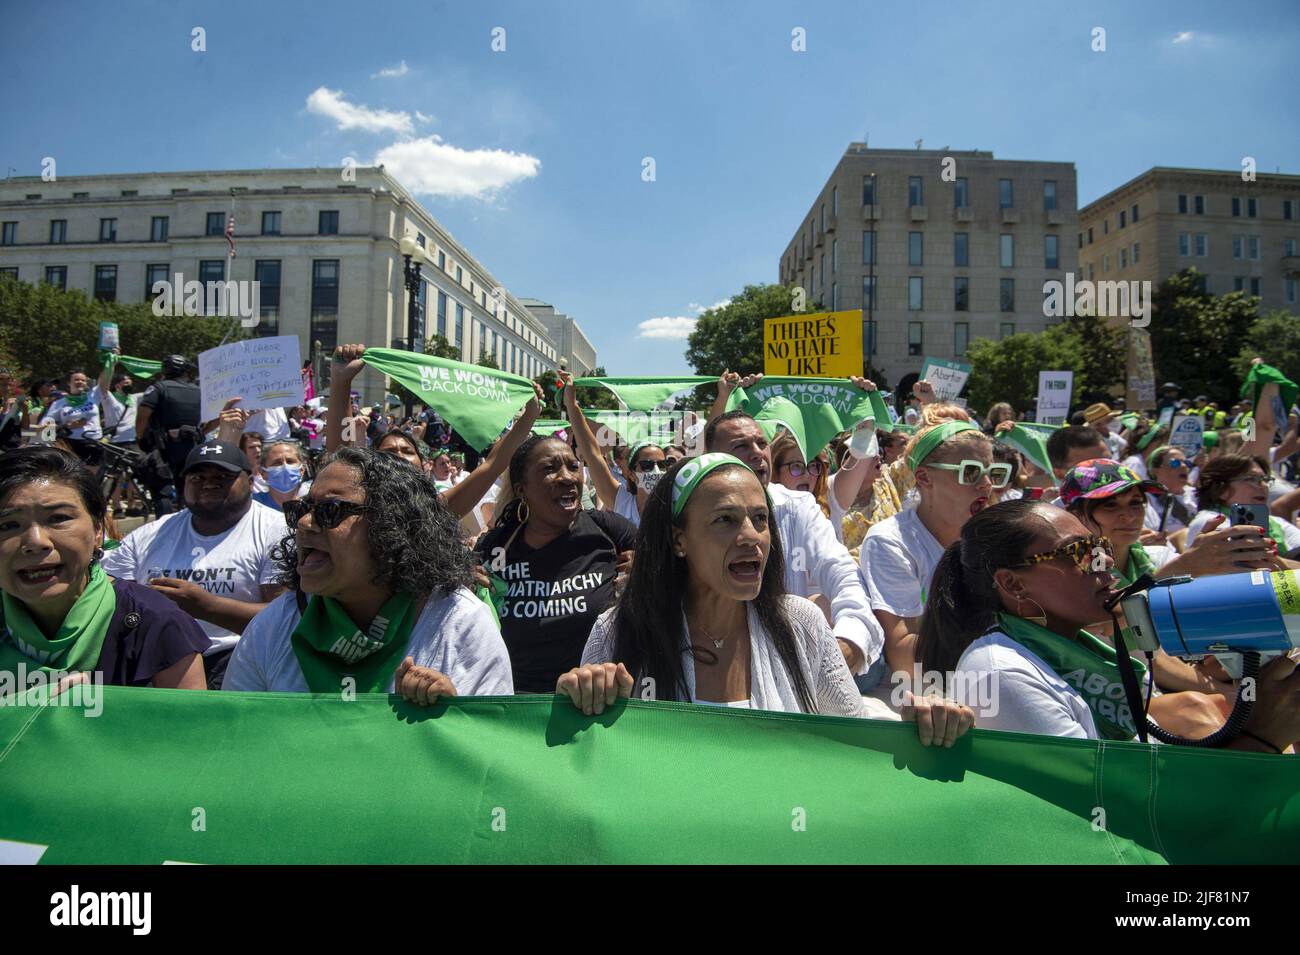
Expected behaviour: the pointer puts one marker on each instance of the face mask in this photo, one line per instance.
(648, 480)
(283, 478)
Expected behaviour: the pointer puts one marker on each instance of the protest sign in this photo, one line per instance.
(1188, 434)
(1141, 370)
(1054, 389)
(948, 377)
(109, 338)
(262, 372)
(821, 344)
(1166, 416)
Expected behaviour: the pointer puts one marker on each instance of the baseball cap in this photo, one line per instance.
(219, 453)
(1101, 477)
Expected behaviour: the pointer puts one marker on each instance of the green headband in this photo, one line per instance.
(695, 471)
(1148, 438)
(935, 437)
(638, 448)
(1155, 454)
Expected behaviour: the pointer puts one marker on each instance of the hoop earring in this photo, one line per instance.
(1041, 619)
(523, 511)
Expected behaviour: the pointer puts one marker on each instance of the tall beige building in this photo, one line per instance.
(1242, 236)
(937, 247)
(575, 349)
(322, 243)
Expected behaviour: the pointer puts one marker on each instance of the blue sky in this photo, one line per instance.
(532, 157)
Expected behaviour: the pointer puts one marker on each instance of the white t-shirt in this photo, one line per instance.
(1136, 463)
(1018, 691)
(271, 423)
(454, 635)
(61, 412)
(234, 564)
(121, 416)
(1290, 533)
(625, 505)
(898, 558)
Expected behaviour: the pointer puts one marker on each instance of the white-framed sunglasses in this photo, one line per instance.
(970, 472)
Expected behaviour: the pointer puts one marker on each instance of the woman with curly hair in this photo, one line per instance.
(379, 597)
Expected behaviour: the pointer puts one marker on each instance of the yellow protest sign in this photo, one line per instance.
(819, 345)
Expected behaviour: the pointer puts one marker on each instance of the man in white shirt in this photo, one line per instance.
(213, 558)
(271, 423)
(78, 411)
(811, 550)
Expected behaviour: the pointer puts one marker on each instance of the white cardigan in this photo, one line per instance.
(833, 691)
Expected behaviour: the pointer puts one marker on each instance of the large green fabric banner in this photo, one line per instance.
(183, 776)
(646, 392)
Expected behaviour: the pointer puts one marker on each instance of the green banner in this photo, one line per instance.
(547, 426)
(478, 402)
(138, 367)
(187, 776)
(633, 427)
(1029, 442)
(814, 409)
(645, 393)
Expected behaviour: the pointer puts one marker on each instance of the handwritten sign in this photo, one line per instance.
(264, 372)
(1188, 433)
(948, 377)
(109, 337)
(818, 345)
(1054, 389)
(1141, 371)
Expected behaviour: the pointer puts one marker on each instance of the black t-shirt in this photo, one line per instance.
(555, 593)
(147, 634)
(174, 403)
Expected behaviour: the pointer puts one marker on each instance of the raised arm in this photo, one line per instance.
(603, 478)
(1265, 427)
(463, 497)
(345, 365)
(854, 469)
(106, 375)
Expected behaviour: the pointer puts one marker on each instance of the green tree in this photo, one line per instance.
(487, 361)
(1103, 357)
(1274, 337)
(438, 346)
(1195, 336)
(1007, 370)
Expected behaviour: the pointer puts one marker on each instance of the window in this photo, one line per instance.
(1254, 286)
(1236, 206)
(9, 234)
(106, 283)
(1123, 258)
(835, 298)
(1202, 244)
(419, 239)
(961, 193)
(1199, 205)
(267, 273)
(1090, 235)
(868, 248)
(1288, 209)
(1184, 244)
(1007, 250)
(442, 260)
(1250, 208)
(1081, 240)
(1091, 271)
(325, 300)
(1203, 284)
(1238, 247)
(56, 275)
(835, 255)
(1291, 291)
(835, 200)
(1182, 203)
(154, 273)
(458, 331)
(1105, 226)
(869, 337)
(270, 223)
(915, 191)
(961, 295)
(1123, 218)
(1137, 246)
(960, 338)
(914, 250)
(58, 231)
(1238, 283)
(1006, 329)
(914, 293)
(9, 274)
(869, 292)
(1252, 247)
(1007, 294)
(822, 264)
(1049, 195)
(1288, 246)
(1006, 197)
(823, 218)
(915, 344)
(216, 224)
(158, 229)
(868, 190)
(211, 270)
(1133, 217)
(460, 276)
(1105, 263)
(961, 249)
(329, 224)
(442, 314)
(107, 230)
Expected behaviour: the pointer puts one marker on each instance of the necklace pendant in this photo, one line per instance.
(719, 643)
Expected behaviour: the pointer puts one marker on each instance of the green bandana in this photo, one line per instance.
(77, 401)
(1087, 664)
(79, 640)
(1261, 375)
(329, 646)
(1148, 437)
(1029, 443)
(548, 427)
(935, 437)
(813, 409)
(632, 426)
(1139, 563)
(692, 473)
(478, 402)
(138, 367)
(1129, 421)
(1153, 455)
(645, 393)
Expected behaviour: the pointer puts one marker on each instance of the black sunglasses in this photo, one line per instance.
(327, 515)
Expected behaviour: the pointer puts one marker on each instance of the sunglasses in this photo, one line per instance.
(327, 515)
(1086, 553)
(970, 472)
(813, 468)
(1177, 463)
(645, 467)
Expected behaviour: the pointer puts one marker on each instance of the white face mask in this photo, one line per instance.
(649, 480)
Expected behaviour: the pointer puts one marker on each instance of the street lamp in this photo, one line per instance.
(413, 255)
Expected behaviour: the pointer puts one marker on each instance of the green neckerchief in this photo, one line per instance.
(1274, 529)
(77, 401)
(1139, 563)
(329, 647)
(80, 638)
(1087, 664)
(1261, 375)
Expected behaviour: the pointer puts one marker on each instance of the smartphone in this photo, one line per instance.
(1253, 514)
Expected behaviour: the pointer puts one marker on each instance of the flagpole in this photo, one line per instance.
(230, 263)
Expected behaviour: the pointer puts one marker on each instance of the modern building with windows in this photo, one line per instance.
(323, 243)
(578, 353)
(936, 246)
(1241, 235)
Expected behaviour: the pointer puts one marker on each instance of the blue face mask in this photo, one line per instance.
(283, 477)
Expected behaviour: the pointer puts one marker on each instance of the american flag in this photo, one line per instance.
(230, 235)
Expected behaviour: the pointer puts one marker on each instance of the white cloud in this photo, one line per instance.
(330, 103)
(666, 327)
(431, 167)
(401, 69)
(1184, 36)
(422, 118)
(699, 309)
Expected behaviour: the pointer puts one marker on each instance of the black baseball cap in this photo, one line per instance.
(175, 364)
(218, 453)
